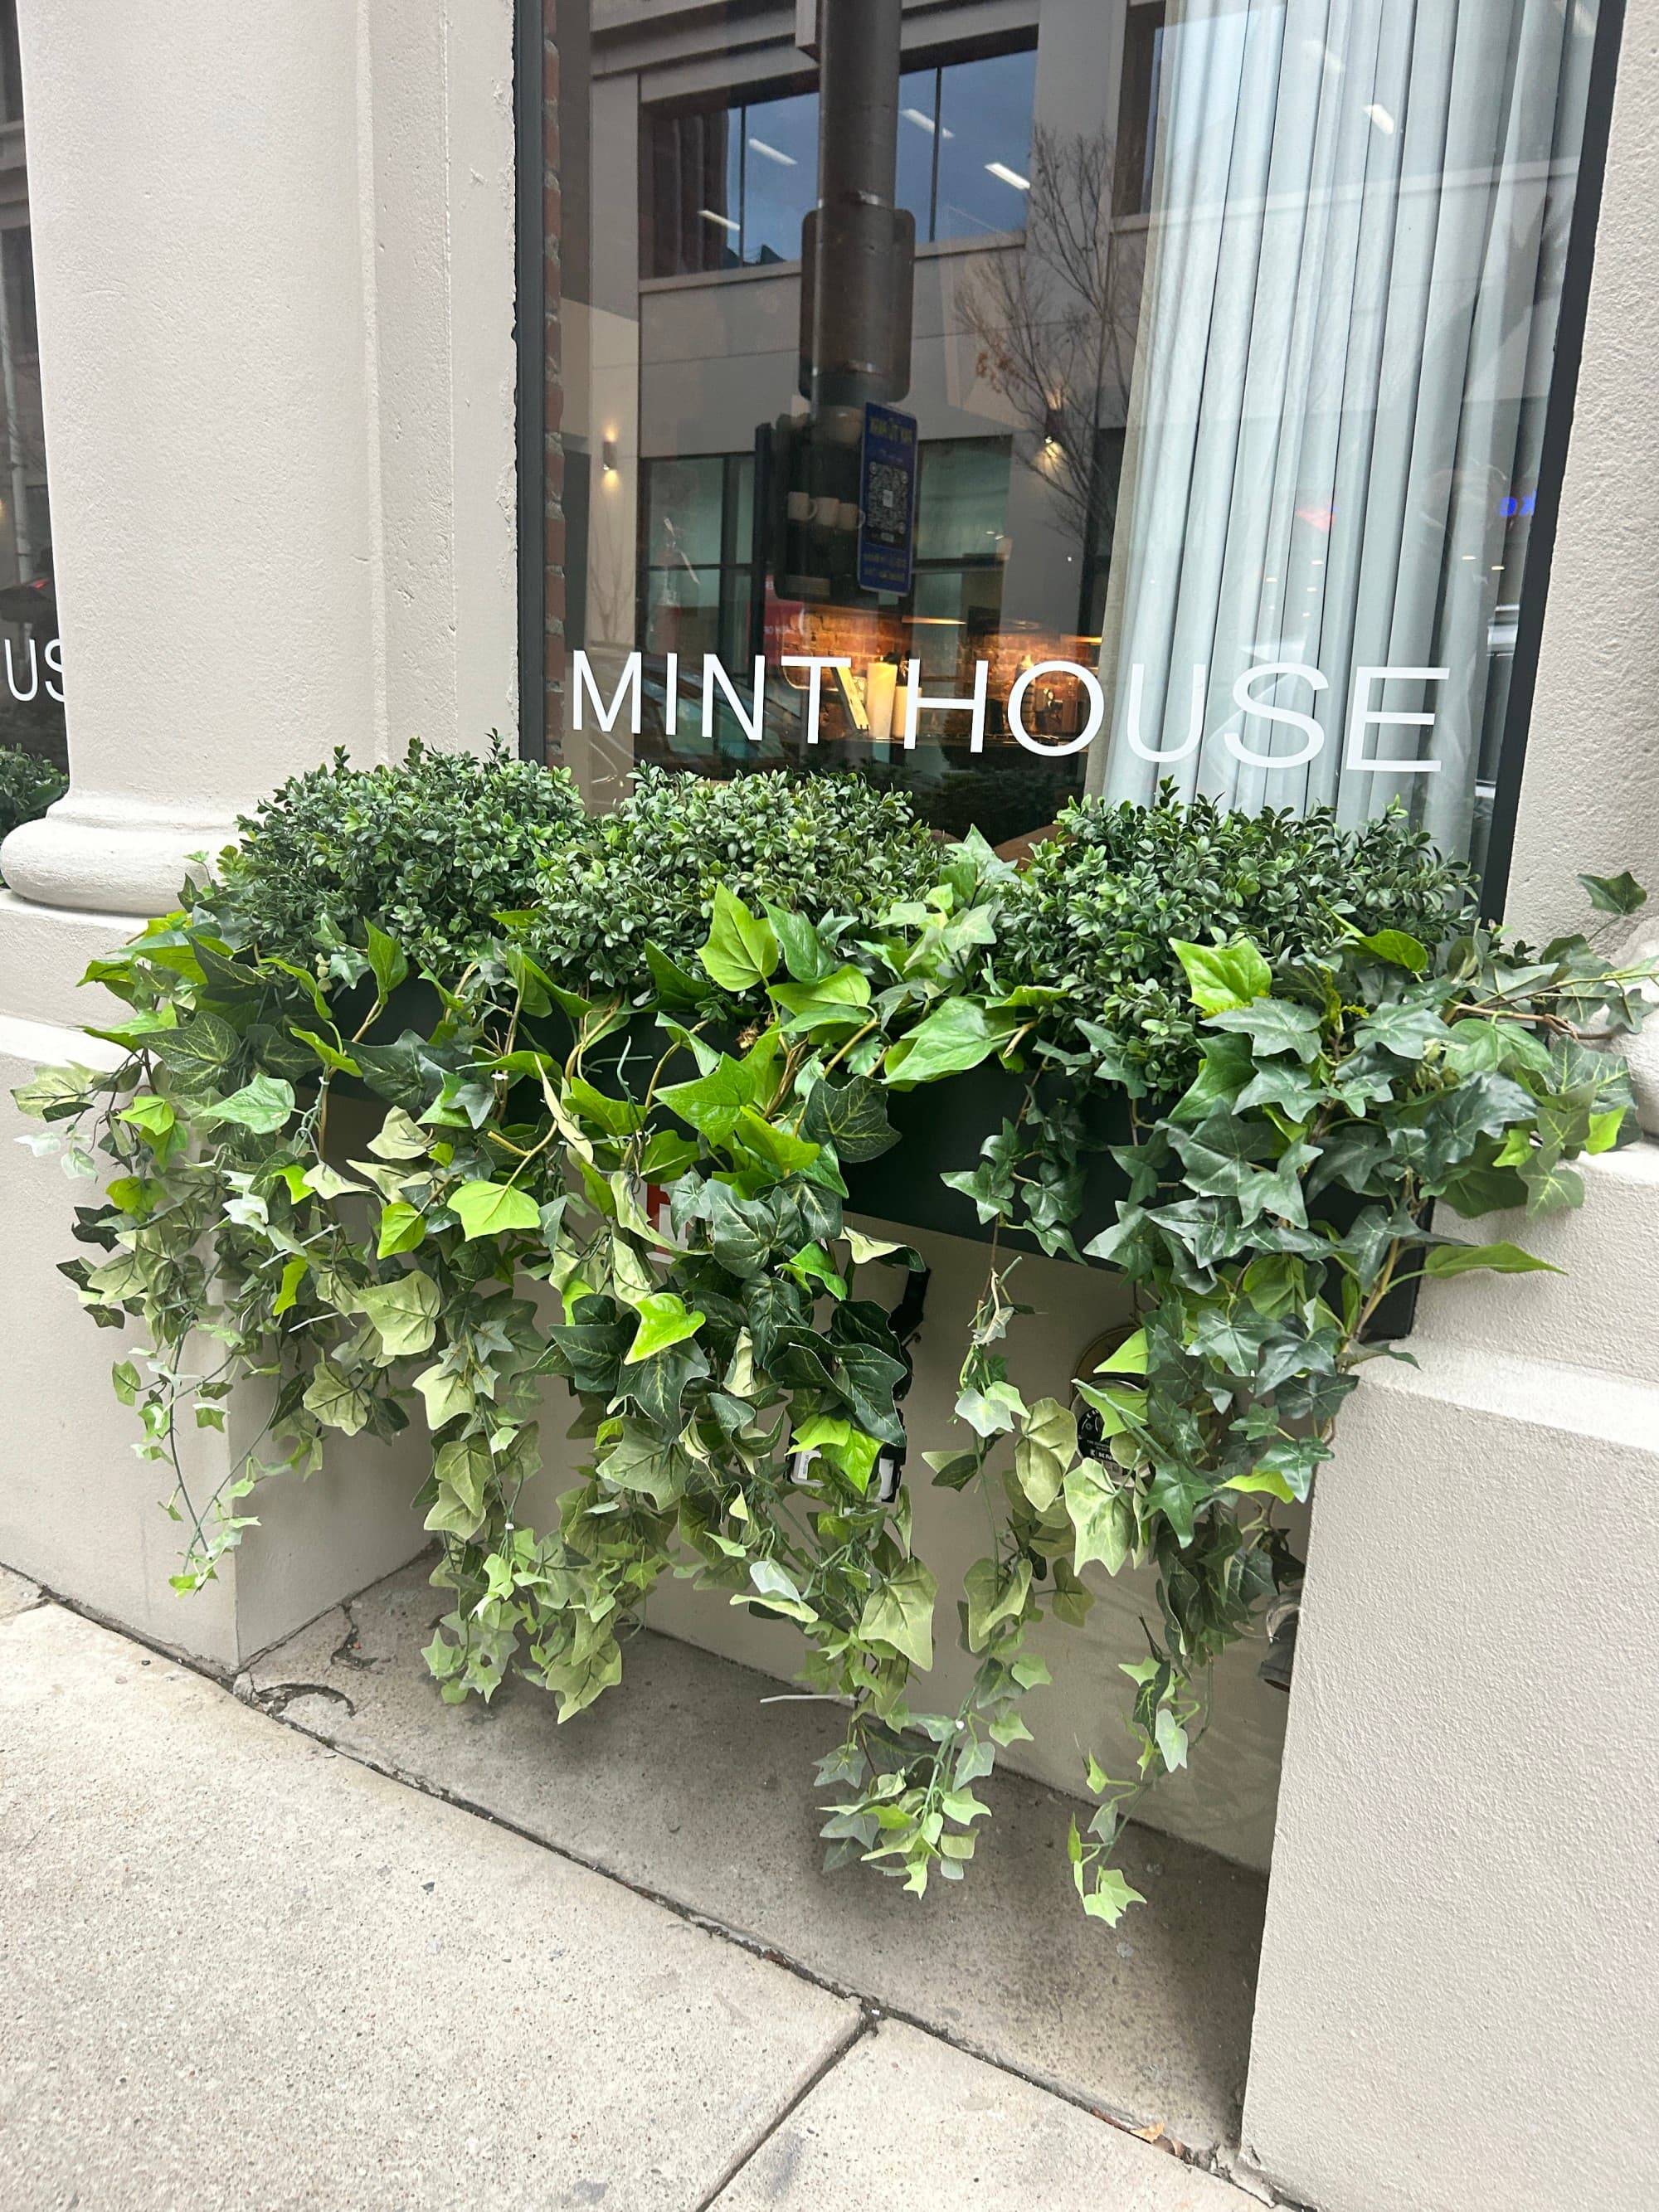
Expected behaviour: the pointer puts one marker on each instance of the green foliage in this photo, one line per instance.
(28, 785)
(739, 1387)
(1103, 904)
(428, 851)
(647, 874)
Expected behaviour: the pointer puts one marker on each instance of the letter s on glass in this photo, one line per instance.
(1244, 696)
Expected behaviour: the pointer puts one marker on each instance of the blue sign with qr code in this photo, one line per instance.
(887, 504)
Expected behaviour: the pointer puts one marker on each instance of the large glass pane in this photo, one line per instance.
(781, 175)
(985, 145)
(1200, 437)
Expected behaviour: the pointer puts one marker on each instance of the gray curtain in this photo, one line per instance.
(1359, 222)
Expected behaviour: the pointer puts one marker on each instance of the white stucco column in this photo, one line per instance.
(282, 521)
(274, 256)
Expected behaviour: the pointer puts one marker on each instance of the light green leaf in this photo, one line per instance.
(337, 1402)
(288, 1290)
(447, 1395)
(403, 1227)
(1128, 1359)
(263, 1105)
(493, 1209)
(404, 1311)
(1398, 949)
(1110, 1897)
(1170, 1738)
(899, 1611)
(1102, 1521)
(152, 1115)
(327, 1183)
(665, 1319)
(1223, 976)
(953, 1038)
(993, 1598)
(1045, 1452)
(840, 1000)
(741, 950)
(400, 1138)
(388, 962)
(1501, 1259)
(337, 1062)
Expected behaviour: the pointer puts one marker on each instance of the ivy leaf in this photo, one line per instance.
(641, 1460)
(337, 1062)
(1398, 948)
(403, 1227)
(1273, 1025)
(804, 954)
(665, 1319)
(152, 1115)
(899, 1612)
(447, 1395)
(263, 1105)
(993, 1598)
(336, 1399)
(1110, 1897)
(1619, 894)
(1103, 1522)
(1221, 977)
(493, 1209)
(741, 950)
(950, 1040)
(288, 1291)
(837, 1002)
(850, 1116)
(711, 1103)
(200, 1049)
(404, 1312)
(1046, 1449)
(675, 986)
(1502, 1259)
(1170, 1738)
(992, 1411)
(387, 961)
(400, 1138)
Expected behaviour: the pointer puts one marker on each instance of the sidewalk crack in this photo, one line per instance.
(863, 2025)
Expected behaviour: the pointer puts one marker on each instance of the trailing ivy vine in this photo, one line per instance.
(638, 1187)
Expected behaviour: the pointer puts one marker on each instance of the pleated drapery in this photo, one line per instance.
(1360, 222)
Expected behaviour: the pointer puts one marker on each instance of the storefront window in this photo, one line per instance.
(32, 696)
(1157, 394)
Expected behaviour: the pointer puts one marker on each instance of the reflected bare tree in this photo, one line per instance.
(1055, 322)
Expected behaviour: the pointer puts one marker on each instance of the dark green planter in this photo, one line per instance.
(942, 1128)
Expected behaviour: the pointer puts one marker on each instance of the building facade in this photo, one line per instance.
(1252, 396)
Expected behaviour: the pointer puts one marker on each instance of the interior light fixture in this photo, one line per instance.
(1381, 117)
(923, 122)
(724, 221)
(773, 153)
(1009, 176)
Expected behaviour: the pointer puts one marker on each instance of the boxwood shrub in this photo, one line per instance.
(1100, 906)
(427, 850)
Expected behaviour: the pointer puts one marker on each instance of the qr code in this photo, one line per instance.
(889, 493)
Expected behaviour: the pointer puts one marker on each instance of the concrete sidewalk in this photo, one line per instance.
(241, 1969)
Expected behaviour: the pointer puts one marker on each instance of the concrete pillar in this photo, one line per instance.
(1457, 1991)
(274, 263)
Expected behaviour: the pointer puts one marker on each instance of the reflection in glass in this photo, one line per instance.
(1227, 335)
(985, 145)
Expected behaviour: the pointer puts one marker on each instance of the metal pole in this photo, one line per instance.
(855, 355)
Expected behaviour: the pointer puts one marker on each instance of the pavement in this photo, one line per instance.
(244, 1968)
